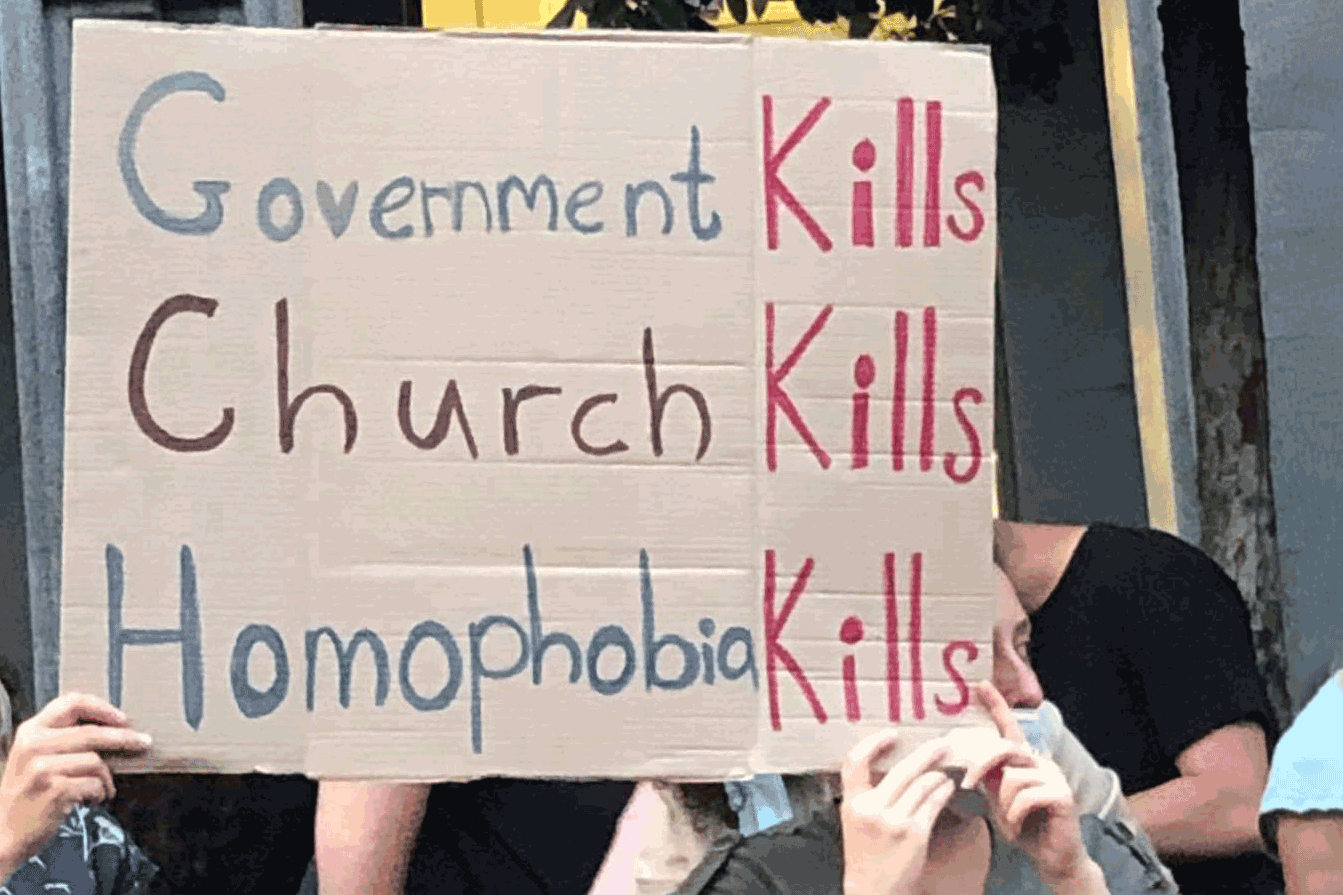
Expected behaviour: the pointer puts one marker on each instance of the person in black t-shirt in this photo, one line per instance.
(1145, 646)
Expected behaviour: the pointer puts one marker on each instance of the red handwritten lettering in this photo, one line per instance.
(860, 214)
(904, 173)
(864, 373)
(971, 436)
(956, 677)
(851, 632)
(932, 189)
(929, 388)
(898, 391)
(892, 639)
(969, 178)
(775, 652)
(776, 398)
(916, 633)
(775, 190)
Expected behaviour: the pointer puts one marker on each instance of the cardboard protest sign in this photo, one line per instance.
(448, 405)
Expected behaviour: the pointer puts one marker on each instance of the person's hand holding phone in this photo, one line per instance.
(1032, 804)
(887, 825)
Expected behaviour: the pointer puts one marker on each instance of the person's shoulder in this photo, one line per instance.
(1163, 567)
(91, 854)
(1144, 546)
(1115, 567)
(804, 857)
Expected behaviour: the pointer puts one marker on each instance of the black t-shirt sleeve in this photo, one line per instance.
(1192, 651)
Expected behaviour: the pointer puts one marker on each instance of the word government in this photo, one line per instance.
(393, 212)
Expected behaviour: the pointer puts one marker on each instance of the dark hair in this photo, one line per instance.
(7, 721)
(12, 681)
(707, 805)
(709, 811)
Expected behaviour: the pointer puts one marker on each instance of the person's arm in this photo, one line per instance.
(1312, 853)
(1212, 808)
(1186, 633)
(1088, 879)
(365, 835)
(655, 848)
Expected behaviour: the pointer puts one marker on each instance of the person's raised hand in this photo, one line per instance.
(1032, 804)
(54, 764)
(887, 826)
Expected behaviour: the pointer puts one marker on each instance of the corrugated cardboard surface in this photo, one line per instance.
(459, 566)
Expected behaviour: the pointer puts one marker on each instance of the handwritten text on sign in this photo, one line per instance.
(642, 435)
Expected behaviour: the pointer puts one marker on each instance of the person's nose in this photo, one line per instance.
(1021, 688)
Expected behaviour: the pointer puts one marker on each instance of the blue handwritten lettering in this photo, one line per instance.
(611, 636)
(431, 630)
(207, 221)
(704, 662)
(345, 662)
(187, 633)
(254, 703)
(400, 192)
(654, 645)
(337, 214)
(476, 635)
(384, 203)
(279, 188)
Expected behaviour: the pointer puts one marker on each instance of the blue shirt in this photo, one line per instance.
(1307, 770)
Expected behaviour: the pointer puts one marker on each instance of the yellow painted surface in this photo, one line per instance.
(1148, 380)
(505, 14)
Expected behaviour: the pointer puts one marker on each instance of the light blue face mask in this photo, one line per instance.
(1036, 735)
(761, 803)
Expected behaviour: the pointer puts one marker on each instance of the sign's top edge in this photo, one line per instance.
(326, 31)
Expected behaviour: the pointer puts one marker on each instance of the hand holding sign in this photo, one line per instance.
(888, 825)
(54, 765)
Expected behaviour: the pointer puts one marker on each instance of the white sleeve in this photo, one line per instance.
(1096, 788)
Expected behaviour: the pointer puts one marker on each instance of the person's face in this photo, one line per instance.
(1012, 672)
(1014, 678)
